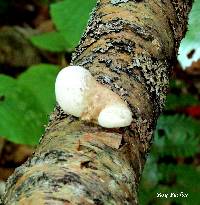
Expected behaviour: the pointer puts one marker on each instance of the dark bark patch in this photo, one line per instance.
(98, 202)
(50, 157)
(54, 199)
(88, 165)
(69, 178)
(38, 178)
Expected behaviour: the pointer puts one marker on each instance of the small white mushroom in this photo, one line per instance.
(79, 94)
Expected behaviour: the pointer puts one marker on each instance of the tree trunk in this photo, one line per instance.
(129, 46)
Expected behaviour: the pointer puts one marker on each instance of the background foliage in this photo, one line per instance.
(27, 98)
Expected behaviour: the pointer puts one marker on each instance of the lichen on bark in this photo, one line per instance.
(129, 46)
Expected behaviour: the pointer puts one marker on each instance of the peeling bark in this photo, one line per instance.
(129, 46)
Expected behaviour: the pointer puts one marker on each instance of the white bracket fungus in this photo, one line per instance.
(79, 94)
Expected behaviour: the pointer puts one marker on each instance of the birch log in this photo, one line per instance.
(129, 46)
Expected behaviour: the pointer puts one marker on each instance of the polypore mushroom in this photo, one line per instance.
(79, 94)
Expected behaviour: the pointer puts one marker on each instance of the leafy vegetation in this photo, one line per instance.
(26, 102)
(171, 166)
(176, 136)
(51, 41)
(69, 25)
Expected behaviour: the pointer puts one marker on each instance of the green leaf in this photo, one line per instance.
(70, 18)
(177, 84)
(40, 80)
(185, 180)
(176, 135)
(6, 83)
(192, 38)
(173, 179)
(150, 173)
(26, 102)
(173, 101)
(21, 116)
(178, 123)
(52, 41)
